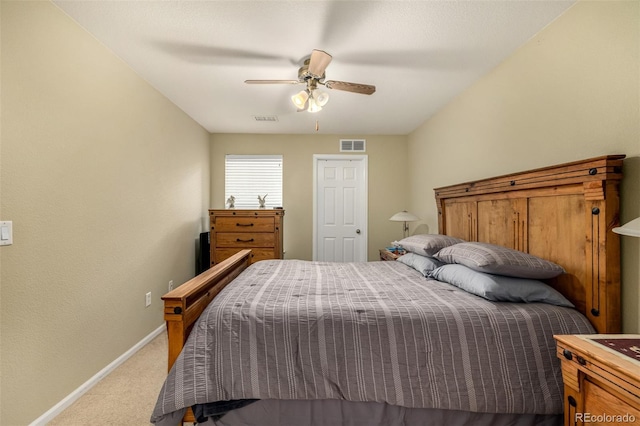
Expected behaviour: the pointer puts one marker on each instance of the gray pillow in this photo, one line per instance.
(493, 259)
(499, 288)
(422, 264)
(427, 244)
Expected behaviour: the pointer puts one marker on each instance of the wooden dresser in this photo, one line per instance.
(601, 385)
(234, 229)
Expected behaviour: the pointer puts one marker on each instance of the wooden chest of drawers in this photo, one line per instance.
(259, 230)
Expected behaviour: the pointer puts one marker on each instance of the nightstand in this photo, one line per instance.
(386, 254)
(601, 384)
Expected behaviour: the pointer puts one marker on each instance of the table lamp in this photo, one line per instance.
(631, 229)
(404, 216)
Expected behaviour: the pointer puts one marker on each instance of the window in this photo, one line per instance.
(247, 176)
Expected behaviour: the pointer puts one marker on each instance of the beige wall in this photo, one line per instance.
(572, 92)
(106, 183)
(388, 194)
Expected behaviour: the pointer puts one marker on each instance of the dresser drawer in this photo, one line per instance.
(244, 224)
(257, 254)
(243, 240)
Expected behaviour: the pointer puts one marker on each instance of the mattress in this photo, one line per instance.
(369, 332)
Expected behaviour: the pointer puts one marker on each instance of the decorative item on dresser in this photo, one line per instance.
(601, 375)
(231, 201)
(258, 230)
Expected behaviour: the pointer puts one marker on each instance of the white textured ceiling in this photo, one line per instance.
(418, 54)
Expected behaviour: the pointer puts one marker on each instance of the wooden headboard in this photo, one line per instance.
(562, 213)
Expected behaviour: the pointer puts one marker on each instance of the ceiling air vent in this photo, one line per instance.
(352, 145)
(265, 118)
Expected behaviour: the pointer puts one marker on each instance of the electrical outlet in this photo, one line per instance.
(170, 285)
(148, 300)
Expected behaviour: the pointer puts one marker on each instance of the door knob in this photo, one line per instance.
(357, 231)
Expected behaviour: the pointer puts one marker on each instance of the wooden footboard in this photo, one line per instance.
(183, 305)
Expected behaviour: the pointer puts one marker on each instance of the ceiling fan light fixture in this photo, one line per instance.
(312, 73)
(300, 99)
(321, 97)
(313, 105)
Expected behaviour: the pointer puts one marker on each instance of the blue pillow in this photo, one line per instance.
(499, 288)
(422, 264)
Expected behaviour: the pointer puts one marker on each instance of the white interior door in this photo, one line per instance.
(340, 208)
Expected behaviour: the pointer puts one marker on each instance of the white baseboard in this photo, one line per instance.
(76, 394)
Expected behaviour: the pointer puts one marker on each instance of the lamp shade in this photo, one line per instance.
(631, 229)
(321, 97)
(313, 106)
(404, 216)
(300, 99)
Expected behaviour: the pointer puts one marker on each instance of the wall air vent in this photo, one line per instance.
(265, 118)
(352, 145)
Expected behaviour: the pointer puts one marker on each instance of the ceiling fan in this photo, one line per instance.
(312, 73)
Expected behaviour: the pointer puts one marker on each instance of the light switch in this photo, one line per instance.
(6, 233)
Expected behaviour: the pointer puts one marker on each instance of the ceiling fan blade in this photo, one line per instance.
(204, 53)
(272, 81)
(318, 62)
(364, 89)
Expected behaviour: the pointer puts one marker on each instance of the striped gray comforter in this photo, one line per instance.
(376, 331)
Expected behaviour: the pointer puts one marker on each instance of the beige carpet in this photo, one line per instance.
(127, 395)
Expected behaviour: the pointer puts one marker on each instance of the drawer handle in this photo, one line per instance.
(244, 224)
(567, 354)
(238, 240)
(581, 360)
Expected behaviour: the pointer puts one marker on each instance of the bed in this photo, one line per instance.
(312, 343)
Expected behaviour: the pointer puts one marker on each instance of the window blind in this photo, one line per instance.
(247, 176)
